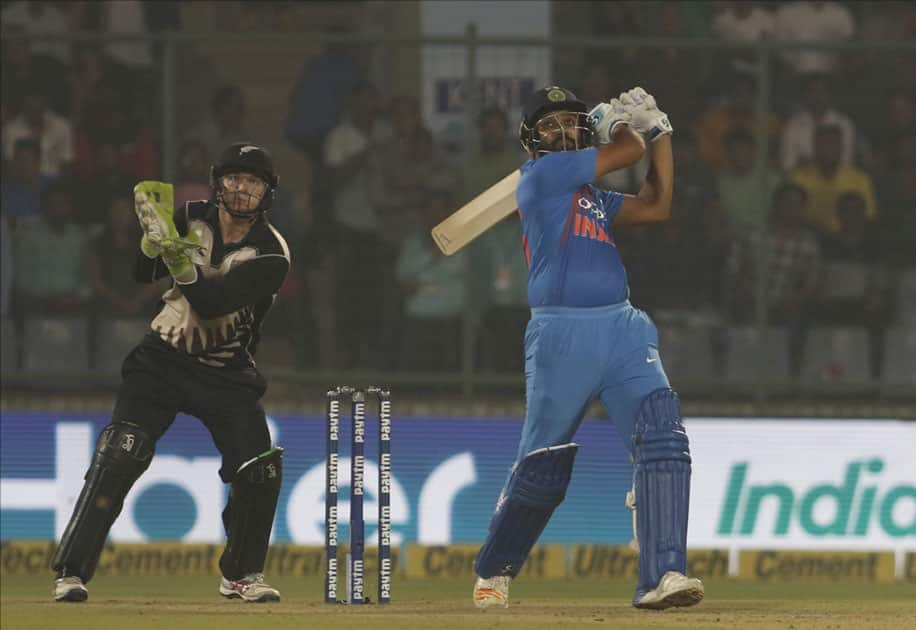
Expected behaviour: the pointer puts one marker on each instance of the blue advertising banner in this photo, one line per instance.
(447, 474)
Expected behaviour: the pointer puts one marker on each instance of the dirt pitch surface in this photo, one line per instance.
(145, 603)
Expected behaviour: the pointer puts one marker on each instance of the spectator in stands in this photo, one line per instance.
(812, 21)
(314, 112)
(793, 265)
(18, 70)
(42, 18)
(434, 288)
(899, 121)
(499, 281)
(827, 178)
(106, 179)
(92, 71)
(694, 181)
(316, 101)
(497, 153)
(598, 80)
(877, 70)
(678, 277)
(50, 255)
(410, 166)
(53, 132)
(738, 111)
(24, 186)
(348, 163)
(193, 181)
(897, 191)
(110, 262)
(48, 60)
(226, 124)
(596, 19)
(745, 22)
(742, 21)
(110, 123)
(127, 17)
(797, 143)
(745, 188)
(651, 253)
(855, 287)
(678, 90)
(500, 274)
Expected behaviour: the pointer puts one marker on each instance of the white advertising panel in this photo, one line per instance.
(803, 484)
(506, 74)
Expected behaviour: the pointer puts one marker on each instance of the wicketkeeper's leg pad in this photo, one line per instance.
(249, 514)
(662, 486)
(123, 452)
(535, 488)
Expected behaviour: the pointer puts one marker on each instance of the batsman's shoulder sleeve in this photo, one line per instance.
(563, 172)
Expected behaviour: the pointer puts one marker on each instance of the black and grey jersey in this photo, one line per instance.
(216, 320)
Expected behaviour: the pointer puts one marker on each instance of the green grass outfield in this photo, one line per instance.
(144, 603)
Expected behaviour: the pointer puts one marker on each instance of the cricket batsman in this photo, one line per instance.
(585, 341)
(227, 263)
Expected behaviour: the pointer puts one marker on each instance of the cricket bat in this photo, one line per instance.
(477, 216)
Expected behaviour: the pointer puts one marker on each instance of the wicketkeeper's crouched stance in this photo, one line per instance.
(585, 341)
(227, 263)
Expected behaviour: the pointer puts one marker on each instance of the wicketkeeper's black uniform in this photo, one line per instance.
(197, 359)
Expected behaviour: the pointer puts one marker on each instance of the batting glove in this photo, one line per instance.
(606, 117)
(645, 117)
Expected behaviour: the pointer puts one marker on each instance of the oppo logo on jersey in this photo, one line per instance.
(590, 226)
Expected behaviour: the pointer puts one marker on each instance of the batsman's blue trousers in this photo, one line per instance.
(576, 355)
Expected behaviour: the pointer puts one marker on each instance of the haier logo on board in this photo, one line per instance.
(854, 505)
(201, 496)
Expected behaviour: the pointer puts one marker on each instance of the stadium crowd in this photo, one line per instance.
(824, 217)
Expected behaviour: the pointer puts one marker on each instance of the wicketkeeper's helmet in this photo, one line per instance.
(553, 99)
(244, 157)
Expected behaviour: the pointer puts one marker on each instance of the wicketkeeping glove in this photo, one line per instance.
(176, 256)
(154, 203)
(155, 207)
(606, 117)
(645, 117)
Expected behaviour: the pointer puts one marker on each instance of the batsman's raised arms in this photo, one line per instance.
(478, 215)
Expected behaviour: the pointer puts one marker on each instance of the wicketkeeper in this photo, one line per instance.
(227, 263)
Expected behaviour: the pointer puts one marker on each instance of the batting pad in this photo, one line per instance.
(535, 488)
(662, 483)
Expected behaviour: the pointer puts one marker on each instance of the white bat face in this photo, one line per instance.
(477, 216)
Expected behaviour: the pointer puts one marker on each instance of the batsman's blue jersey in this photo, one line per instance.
(567, 233)
(585, 341)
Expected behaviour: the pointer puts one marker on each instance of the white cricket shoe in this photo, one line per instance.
(70, 589)
(494, 591)
(251, 588)
(674, 589)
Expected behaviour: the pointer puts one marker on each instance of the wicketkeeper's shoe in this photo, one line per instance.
(674, 589)
(70, 589)
(251, 588)
(494, 591)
